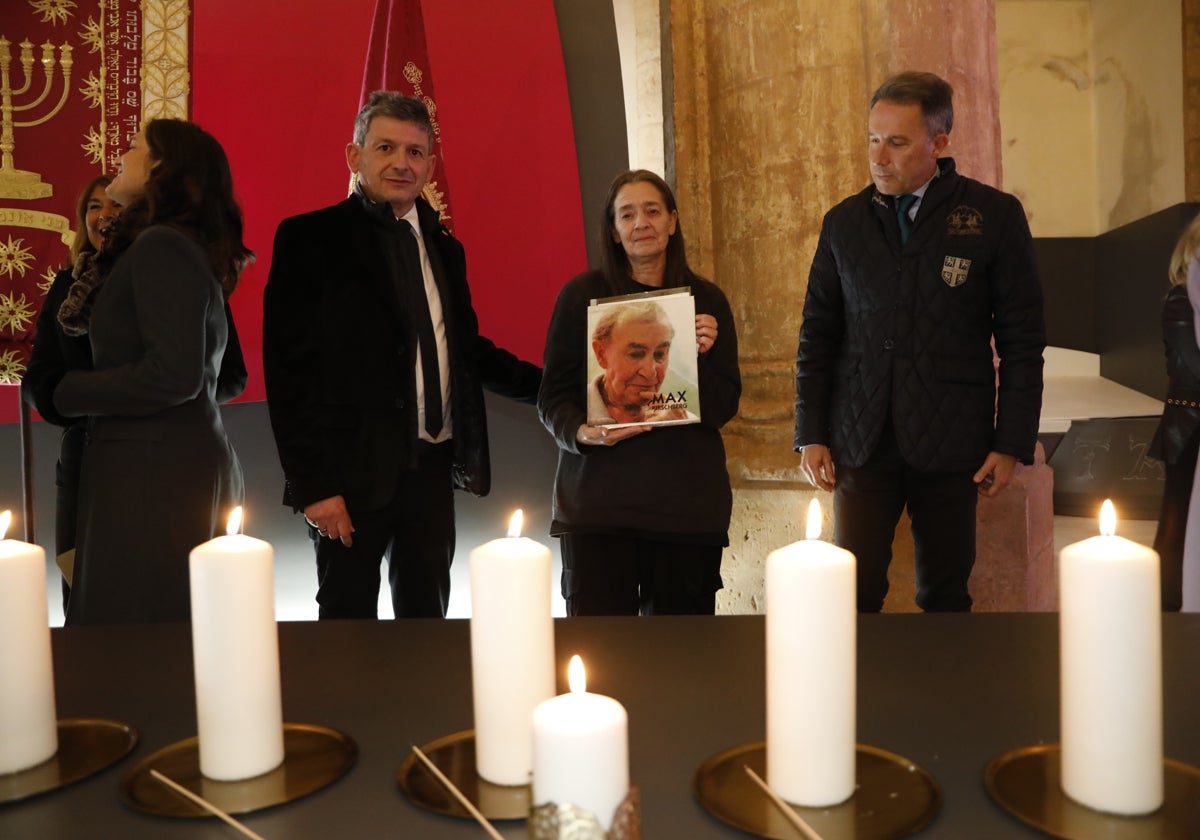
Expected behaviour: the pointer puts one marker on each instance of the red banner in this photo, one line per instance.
(73, 94)
(398, 59)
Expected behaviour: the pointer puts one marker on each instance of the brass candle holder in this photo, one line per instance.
(555, 821)
(85, 747)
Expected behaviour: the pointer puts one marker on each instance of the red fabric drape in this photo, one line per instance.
(284, 118)
(398, 59)
(74, 107)
(282, 99)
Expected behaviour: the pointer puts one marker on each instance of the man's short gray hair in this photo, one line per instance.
(389, 103)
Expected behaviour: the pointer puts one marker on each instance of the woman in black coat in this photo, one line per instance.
(158, 475)
(1177, 440)
(55, 352)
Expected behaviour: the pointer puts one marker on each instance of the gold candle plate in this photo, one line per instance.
(85, 747)
(313, 758)
(1027, 782)
(893, 797)
(454, 755)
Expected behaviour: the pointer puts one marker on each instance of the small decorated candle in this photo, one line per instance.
(811, 660)
(28, 724)
(235, 641)
(512, 651)
(581, 750)
(1110, 629)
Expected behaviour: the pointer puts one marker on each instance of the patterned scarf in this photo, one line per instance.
(76, 311)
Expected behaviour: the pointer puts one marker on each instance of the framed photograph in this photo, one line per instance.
(642, 360)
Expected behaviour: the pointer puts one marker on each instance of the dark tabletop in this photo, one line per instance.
(949, 692)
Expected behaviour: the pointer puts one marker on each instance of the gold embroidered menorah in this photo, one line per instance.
(19, 183)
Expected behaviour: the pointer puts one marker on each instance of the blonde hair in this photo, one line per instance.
(81, 243)
(1186, 250)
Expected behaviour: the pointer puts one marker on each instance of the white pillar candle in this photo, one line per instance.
(1110, 627)
(28, 724)
(235, 642)
(811, 660)
(512, 651)
(581, 750)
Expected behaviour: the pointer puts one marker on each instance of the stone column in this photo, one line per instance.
(770, 108)
(1191, 97)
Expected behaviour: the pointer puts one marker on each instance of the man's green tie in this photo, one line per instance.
(904, 203)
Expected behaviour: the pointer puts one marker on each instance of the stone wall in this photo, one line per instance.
(1091, 94)
(1191, 97)
(770, 107)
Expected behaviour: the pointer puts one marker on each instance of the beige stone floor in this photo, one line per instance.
(1067, 530)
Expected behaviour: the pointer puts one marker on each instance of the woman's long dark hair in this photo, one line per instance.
(615, 262)
(190, 188)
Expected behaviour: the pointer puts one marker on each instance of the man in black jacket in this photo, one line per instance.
(374, 371)
(898, 401)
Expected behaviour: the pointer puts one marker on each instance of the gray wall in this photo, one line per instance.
(1104, 295)
(523, 462)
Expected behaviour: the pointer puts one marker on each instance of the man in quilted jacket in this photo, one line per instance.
(899, 400)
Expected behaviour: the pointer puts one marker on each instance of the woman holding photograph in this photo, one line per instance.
(631, 343)
(642, 512)
(158, 476)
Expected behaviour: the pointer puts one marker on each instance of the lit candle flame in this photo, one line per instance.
(576, 676)
(1108, 518)
(812, 530)
(235, 521)
(5, 519)
(515, 524)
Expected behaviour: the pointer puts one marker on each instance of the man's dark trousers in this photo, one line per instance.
(414, 532)
(867, 503)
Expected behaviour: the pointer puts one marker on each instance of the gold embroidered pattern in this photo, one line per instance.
(963, 221)
(12, 367)
(166, 81)
(16, 312)
(436, 198)
(22, 183)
